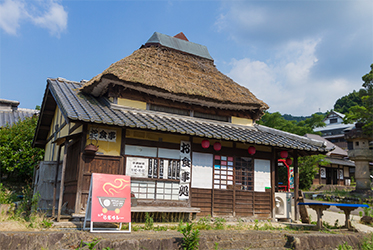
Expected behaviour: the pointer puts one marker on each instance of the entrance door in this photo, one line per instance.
(329, 176)
(335, 175)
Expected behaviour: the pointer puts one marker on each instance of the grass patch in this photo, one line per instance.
(24, 211)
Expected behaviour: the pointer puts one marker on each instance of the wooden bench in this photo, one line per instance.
(320, 207)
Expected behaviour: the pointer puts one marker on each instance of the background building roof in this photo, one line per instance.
(336, 151)
(10, 113)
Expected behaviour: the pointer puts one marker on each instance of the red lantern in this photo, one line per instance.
(205, 143)
(289, 161)
(251, 150)
(284, 154)
(217, 146)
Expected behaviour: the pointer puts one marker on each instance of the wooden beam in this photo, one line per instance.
(75, 127)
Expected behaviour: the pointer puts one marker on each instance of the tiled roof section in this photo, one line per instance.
(11, 117)
(343, 162)
(179, 44)
(84, 107)
(336, 150)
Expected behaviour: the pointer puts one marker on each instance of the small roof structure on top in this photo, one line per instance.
(180, 43)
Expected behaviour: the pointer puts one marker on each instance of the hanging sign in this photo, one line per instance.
(322, 173)
(139, 167)
(184, 169)
(109, 199)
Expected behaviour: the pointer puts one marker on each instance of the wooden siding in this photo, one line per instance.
(223, 202)
(202, 198)
(238, 203)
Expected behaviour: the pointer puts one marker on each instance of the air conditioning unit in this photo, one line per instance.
(283, 205)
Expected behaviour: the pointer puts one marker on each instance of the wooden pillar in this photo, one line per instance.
(273, 182)
(296, 186)
(55, 182)
(80, 170)
(62, 182)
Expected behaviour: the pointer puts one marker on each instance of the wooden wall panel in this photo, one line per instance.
(223, 202)
(202, 198)
(244, 203)
(262, 204)
(232, 202)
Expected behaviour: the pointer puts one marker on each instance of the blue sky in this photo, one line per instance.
(297, 56)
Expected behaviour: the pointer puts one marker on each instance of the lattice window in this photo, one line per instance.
(244, 178)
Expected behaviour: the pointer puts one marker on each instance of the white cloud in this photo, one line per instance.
(53, 16)
(285, 82)
(299, 57)
(55, 19)
(10, 16)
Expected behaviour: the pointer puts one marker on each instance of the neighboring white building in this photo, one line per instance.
(339, 171)
(334, 129)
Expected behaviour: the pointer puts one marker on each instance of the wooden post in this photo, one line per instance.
(296, 186)
(62, 182)
(273, 182)
(55, 182)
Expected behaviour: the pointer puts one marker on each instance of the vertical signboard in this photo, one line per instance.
(184, 169)
(109, 200)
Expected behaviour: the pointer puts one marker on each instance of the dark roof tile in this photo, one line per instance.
(84, 107)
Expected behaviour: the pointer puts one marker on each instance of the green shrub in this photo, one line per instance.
(219, 223)
(6, 196)
(149, 222)
(191, 237)
(204, 223)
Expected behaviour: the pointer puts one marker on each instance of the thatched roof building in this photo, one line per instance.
(178, 70)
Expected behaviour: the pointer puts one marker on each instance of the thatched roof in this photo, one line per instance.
(177, 76)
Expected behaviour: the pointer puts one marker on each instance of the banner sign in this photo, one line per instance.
(111, 198)
(184, 169)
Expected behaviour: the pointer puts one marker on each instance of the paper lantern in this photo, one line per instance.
(284, 154)
(217, 146)
(251, 150)
(289, 161)
(205, 143)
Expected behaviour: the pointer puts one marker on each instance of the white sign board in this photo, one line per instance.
(202, 170)
(137, 167)
(262, 175)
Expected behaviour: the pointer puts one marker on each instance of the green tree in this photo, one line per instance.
(277, 121)
(364, 113)
(308, 168)
(17, 156)
(343, 104)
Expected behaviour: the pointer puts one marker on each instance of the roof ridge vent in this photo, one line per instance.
(178, 43)
(181, 36)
